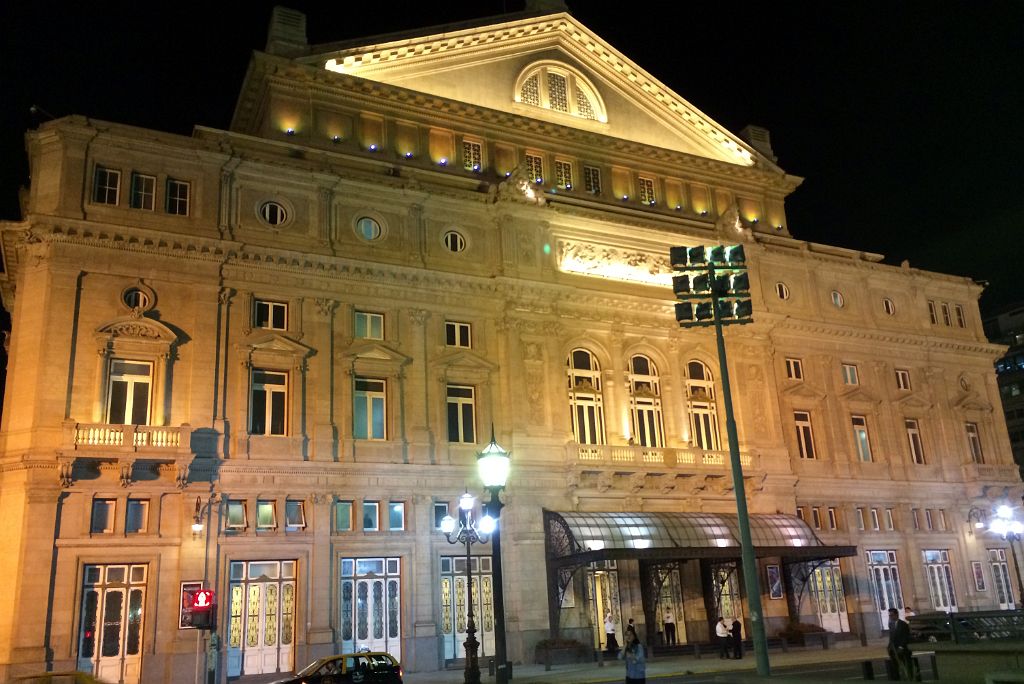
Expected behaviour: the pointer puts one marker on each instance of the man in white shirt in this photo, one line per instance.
(724, 638)
(670, 627)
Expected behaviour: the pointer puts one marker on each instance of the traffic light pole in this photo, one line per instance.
(750, 575)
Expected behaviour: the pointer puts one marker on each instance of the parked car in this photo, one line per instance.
(349, 668)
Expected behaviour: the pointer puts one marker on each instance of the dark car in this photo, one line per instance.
(350, 668)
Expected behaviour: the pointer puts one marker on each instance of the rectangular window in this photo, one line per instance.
(794, 369)
(369, 326)
(915, 518)
(928, 524)
(914, 439)
(294, 515)
(939, 573)
(860, 518)
(371, 516)
(177, 197)
(472, 155)
(128, 392)
(816, 517)
(342, 516)
(850, 374)
(137, 517)
(266, 515)
(804, 434)
(592, 180)
(103, 516)
(861, 438)
(974, 442)
(106, 185)
(143, 192)
(268, 403)
(270, 315)
(237, 515)
(369, 409)
(961, 322)
(833, 520)
(945, 315)
(902, 379)
(932, 316)
(563, 174)
(800, 513)
(889, 523)
(440, 511)
(458, 334)
(461, 414)
(535, 168)
(645, 188)
(874, 519)
(942, 520)
(396, 516)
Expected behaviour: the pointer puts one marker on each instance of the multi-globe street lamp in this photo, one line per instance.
(493, 467)
(714, 288)
(1011, 530)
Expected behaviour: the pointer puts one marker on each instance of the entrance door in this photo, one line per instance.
(261, 620)
(885, 583)
(371, 605)
(940, 580)
(829, 600)
(454, 616)
(671, 598)
(603, 594)
(113, 603)
(1001, 578)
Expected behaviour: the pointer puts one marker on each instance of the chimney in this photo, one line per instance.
(760, 139)
(286, 35)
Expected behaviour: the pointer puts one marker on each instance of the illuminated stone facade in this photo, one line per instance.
(309, 322)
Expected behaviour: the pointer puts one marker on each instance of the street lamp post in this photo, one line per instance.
(493, 465)
(1009, 529)
(715, 291)
(202, 512)
(469, 533)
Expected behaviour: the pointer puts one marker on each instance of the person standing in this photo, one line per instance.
(636, 659)
(737, 639)
(899, 646)
(670, 627)
(724, 638)
(611, 643)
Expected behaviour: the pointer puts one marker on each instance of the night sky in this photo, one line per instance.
(905, 118)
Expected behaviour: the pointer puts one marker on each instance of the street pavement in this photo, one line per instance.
(657, 667)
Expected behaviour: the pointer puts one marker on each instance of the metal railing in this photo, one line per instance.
(967, 628)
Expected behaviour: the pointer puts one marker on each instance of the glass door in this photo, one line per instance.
(111, 629)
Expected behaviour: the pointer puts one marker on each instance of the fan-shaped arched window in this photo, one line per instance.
(585, 400)
(700, 399)
(645, 402)
(553, 86)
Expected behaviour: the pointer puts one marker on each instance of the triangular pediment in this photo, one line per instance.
(485, 65)
(276, 343)
(858, 394)
(800, 390)
(375, 352)
(913, 401)
(464, 360)
(972, 401)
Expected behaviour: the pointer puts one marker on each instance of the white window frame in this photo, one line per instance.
(890, 524)
(367, 325)
(915, 517)
(903, 380)
(833, 519)
(850, 374)
(946, 319)
(373, 395)
(933, 315)
(961, 320)
(816, 517)
(294, 514)
(794, 369)
(974, 442)
(143, 192)
(804, 435)
(234, 508)
(645, 404)
(367, 507)
(939, 573)
(393, 507)
(275, 398)
(888, 306)
(586, 399)
(179, 195)
(457, 334)
(103, 512)
(703, 406)
(472, 155)
(141, 508)
(875, 525)
(106, 186)
(262, 506)
(861, 438)
(460, 413)
(442, 507)
(914, 440)
(271, 310)
(929, 523)
(838, 300)
(859, 512)
(782, 290)
(130, 380)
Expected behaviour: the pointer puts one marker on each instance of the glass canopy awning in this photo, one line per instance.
(596, 536)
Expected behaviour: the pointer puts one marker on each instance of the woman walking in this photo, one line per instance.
(636, 659)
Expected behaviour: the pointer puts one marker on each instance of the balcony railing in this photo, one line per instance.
(647, 456)
(131, 437)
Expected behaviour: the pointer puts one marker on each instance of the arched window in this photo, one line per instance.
(585, 401)
(700, 398)
(645, 402)
(552, 86)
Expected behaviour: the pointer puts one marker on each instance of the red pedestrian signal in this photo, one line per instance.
(202, 608)
(203, 600)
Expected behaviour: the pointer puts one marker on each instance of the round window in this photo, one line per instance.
(782, 290)
(454, 241)
(134, 298)
(273, 213)
(837, 299)
(368, 228)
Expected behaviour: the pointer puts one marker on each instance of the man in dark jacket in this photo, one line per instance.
(899, 645)
(737, 639)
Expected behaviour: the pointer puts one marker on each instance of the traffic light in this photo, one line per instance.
(204, 609)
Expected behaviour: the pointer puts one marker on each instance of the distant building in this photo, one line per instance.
(1008, 328)
(298, 333)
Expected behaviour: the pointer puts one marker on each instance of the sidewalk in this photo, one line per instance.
(613, 670)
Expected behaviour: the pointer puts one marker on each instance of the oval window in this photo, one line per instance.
(782, 290)
(368, 228)
(454, 241)
(888, 306)
(837, 299)
(134, 298)
(273, 213)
